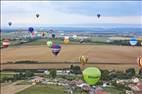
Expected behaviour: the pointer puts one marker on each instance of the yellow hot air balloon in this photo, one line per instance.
(83, 60)
(139, 61)
(66, 40)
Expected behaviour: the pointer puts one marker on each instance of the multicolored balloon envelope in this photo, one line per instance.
(56, 49)
(139, 61)
(6, 43)
(91, 75)
(133, 41)
(49, 44)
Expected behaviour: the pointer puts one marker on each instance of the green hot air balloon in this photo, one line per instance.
(49, 44)
(91, 75)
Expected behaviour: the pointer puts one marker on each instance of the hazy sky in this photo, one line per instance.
(71, 12)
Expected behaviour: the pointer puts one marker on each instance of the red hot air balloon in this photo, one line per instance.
(6, 43)
(56, 49)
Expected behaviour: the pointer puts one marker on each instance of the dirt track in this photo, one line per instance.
(71, 53)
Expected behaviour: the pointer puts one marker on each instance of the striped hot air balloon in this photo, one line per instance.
(83, 60)
(139, 61)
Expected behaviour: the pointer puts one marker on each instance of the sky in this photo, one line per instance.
(71, 12)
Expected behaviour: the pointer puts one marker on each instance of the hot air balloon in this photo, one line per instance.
(83, 60)
(74, 36)
(66, 40)
(6, 43)
(43, 34)
(139, 61)
(53, 35)
(91, 75)
(31, 29)
(98, 15)
(9, 23)
(37, 15)
(133, 41)
(49, 44)
(56, 49)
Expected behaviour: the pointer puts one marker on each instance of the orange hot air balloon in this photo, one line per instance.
(139, 61)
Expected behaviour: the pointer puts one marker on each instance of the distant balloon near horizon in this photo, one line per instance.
(98, 15)
(9, 23)
(37, 15)
(133, 41)
(66, 40)
(91, 75)
(53, 35)
(56, 49)
(6, 43)
(31, 29)
(49, 43)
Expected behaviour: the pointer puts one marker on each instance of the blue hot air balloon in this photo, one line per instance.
(56, 49)
(133, 41)
(31, 29)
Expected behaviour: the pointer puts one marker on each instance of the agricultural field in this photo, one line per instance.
(105, 56)
(43, 89)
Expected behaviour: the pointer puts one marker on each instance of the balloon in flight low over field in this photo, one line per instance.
(139, 61)
(49, 44)
(56, 49)
(6, 43)
(133, 41)
(83, 60)
(91, 75)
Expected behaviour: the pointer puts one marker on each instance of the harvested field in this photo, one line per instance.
(98, 55)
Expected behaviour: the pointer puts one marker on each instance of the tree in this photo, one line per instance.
(130, 72)
(75, 69)
(29, 73)
(53, 73)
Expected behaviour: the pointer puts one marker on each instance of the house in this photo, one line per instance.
(37, 79)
